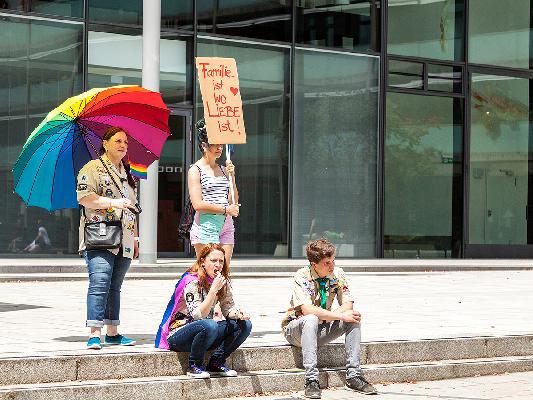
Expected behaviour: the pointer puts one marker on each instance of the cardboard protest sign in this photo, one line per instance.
(219, 84)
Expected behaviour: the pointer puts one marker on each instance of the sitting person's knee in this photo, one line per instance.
(351, 325)
(246, 325)
(209, 325)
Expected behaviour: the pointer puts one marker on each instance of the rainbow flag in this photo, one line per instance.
(138, 170)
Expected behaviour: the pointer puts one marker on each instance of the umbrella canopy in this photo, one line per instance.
(46, 170)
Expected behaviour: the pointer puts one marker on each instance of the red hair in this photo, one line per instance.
(198, 268)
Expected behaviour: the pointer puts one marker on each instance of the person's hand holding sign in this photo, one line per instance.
(230, 167)
(233, 210)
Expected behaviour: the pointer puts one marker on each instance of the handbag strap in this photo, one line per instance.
(111, 175)
(85, 215)
(108, 172)
(114, 181)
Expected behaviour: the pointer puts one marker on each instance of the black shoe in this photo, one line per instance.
(217, 369)
(312, 390)
(359, 384)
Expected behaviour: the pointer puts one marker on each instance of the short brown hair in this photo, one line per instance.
(319, 249)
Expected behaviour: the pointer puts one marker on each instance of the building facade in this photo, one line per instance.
(396, 128)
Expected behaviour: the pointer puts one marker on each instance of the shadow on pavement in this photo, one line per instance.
(6, 307)
(140, 338)
(260, 334)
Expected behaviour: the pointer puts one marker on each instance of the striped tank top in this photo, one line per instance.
(215, 189)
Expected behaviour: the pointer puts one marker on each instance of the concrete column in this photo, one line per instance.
(150, 80)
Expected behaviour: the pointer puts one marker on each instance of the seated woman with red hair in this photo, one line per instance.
(188, 324)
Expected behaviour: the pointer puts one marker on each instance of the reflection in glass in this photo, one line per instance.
(260, 19)
(177, 14)
(347, 24)
(21, 5)
(116, 59)
(335, 141)
(67, 8)
(40, 67)
(500, 147)
(116, 11)
(261, 163)
(171, 187)
(444, 78)
(500, 32)
(430, 29)
(407, 75)
(423, 187)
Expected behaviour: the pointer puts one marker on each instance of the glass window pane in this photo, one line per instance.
(261, 163)
(40, 67)
(260, 19)
(347, 24)
(177, 14)
(68, 8)
(21, 5)
(444, 78)
(406, 74)
(335, 140)
(500, 166)
(499, 32)
(433, 29)
(116, 59)
(423, 179)
(117, 11)
(171, 187)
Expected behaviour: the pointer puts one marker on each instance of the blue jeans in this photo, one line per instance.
(106, 274)
(224, 337)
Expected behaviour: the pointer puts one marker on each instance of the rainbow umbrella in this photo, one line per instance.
(46, 170)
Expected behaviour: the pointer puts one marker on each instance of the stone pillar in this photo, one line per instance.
(150, 80)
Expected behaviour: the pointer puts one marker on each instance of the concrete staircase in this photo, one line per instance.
(71, 269)
(157, 375)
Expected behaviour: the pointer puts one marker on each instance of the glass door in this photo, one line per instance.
(500, 169)
(172, 185)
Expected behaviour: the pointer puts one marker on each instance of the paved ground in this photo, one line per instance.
(44, 317)
(518, 386)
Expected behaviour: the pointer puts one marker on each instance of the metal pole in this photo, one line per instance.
(150, 80)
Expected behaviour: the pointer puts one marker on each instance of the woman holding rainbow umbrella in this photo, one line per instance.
(86, 151)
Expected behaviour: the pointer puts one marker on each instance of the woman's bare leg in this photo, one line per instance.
(228, 249)
(197, 248)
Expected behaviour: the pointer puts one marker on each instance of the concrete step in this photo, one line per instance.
(61, 277)
(267, 265)
(280, 380)
(91, 366)
(51, 274)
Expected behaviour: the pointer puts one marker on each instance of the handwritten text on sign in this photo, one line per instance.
(219, 84)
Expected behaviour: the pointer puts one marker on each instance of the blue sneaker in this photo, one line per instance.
(119, 340)
(94, 343)
(197, 372)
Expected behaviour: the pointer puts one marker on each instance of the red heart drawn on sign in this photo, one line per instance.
(234, 90)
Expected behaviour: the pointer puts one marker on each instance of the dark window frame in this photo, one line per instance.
(487, 250)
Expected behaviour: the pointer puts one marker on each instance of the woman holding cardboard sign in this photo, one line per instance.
(209, 189)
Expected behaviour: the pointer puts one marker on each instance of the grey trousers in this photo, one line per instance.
(308, 333)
